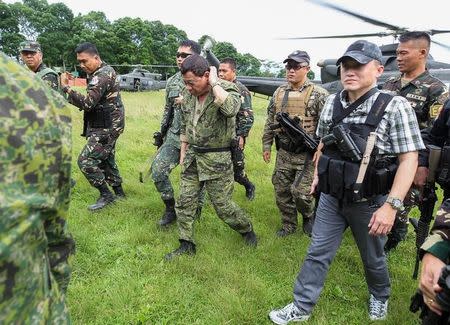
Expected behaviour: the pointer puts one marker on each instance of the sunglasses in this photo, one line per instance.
(182, 55)
(296, 67)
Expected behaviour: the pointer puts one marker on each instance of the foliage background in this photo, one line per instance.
(120, 276)
(124, 41)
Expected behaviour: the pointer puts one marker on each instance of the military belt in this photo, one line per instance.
(198, 149)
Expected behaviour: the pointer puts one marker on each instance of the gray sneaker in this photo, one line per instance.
(377, 308)
(287, 314)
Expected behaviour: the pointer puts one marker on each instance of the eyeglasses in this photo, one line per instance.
(296, 67)
(183, 55)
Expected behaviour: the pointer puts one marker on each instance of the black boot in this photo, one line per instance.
(118, 190)
(308, 224)
(186, 247)
(250, 238)
(250, 191)
(106, 198)
(169, 215)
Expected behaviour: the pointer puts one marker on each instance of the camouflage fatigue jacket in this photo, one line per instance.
(313, 109)
(102, 92)
(426, 94)
(35, 166)
(244, 118)
(49, 76)
(171, 120)
(438, 243)
(210, 125)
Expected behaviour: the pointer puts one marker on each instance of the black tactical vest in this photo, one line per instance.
(338, 174)
(98, 118)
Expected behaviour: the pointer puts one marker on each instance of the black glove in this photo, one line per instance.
(157, 139)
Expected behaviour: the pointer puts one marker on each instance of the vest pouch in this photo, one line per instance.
(350, 175)
(381, 180)
(444, 170)
(336, 178)
(322, 171)
(100, 117)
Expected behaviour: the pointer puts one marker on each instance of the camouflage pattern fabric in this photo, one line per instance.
(49, 76)
(97, 158)
(168, 156)
(438, 243)
(244, 117)
(426, 94)
(292, 180)
(293, 173)
(35, 164)
(210, 126)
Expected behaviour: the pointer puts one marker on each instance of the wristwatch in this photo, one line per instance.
(395, 203)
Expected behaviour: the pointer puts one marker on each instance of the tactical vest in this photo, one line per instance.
(443, 171)
(338, 174)
(295, 104)
(98, 118)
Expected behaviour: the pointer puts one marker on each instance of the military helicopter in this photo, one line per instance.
(140, 79)
(329, 72)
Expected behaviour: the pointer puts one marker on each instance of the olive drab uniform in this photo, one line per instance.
(244, 122)
(294, 170)
(209, 128)
(35, 165)
(426, 94)
(49, 76)
(104, 121)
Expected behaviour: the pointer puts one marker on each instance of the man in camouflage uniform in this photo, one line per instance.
(168, 140)
(426, 94)
(35, 164)
(104, 121)
(31, 55)
(208, 126)
(244, 122)
(293, 172)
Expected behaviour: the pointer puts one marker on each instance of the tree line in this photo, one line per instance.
(125, 41)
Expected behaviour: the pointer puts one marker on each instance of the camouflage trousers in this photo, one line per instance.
(29, 293)
(239, 165)
(220, 192)
(292, 178)
(400, 228)
(167, 158)
(97, 159)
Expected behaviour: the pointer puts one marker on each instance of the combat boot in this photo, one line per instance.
(250, 191)
(250, 238)
(308, 223)
(186, 247)
(118, 191)
(169, 215)
(106, 198)
(283, 232)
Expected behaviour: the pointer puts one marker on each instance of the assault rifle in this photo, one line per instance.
(426, 204)
(294, 131)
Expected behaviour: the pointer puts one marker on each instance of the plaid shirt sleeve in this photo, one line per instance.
(403, 133)
(325, 119)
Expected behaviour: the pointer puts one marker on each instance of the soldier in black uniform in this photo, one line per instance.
(104, 121)
(31, 55)
(426, 94)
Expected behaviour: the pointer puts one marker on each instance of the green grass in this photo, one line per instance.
(120, 276)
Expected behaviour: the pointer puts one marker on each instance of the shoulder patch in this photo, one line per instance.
(94, 81)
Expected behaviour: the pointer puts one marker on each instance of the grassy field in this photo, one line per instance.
(120, 276)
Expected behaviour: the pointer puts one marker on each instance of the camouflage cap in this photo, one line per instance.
(298, 56)
(31, 46)
(363, 52)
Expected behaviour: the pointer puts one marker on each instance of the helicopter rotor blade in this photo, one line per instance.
(437, 31)
(359, 16)
(445, 46)
(380, 34)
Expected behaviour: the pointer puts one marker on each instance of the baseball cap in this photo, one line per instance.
(31, 46)
(298, 56)
(363, 52)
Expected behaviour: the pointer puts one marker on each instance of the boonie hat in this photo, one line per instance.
(298, 56)
(31, 46)
(363, 52)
